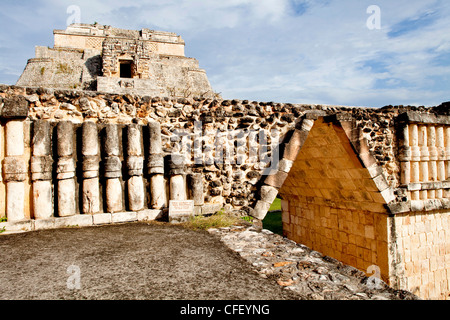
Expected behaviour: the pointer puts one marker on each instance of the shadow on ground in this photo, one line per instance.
(128, 261)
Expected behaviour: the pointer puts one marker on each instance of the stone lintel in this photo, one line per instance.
(14, 108)
(425, 118)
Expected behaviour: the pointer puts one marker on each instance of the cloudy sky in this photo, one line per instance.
(339, 52)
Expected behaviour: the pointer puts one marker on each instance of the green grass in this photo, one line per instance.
(276, 205)
(218, 220)
(272, 221)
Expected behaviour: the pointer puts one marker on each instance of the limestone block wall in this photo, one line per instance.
(332, 204)
(423, 246)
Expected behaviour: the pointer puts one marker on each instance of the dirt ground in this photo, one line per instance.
(128, 261)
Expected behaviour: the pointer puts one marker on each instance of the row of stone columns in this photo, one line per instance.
(425, 157)
(54, 174)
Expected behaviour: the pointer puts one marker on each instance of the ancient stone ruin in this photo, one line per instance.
(367, 186)
(109, 59)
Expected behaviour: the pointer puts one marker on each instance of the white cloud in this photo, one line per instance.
(287, 50)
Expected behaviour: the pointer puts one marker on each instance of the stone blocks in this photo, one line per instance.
(15, 107)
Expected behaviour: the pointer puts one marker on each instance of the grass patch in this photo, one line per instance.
(276, 205)
(273, 221)
(218, 220)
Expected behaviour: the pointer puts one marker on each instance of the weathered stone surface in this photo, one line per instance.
(41, 142)
(65, 168)
(91, 196)
(136, 196)
(90, 166)
(149, 215)
(155, 145)
(158, 191)
(134, 147)
(155, 163)
(285, 165)
(292, 148)
(180, 211)
(15, 201)
(113, 191)
(268, 193)
(261, 209)
(17, 226)
(276, 180)
(196, 187)
(66, 198)
(76, 220)
(302, 270)
(113, 167)
(101, 218)
(64, 138)
(135, 164)
(15, 107)
(89, 141)
(210, 208)
(14, 169)
(177, 188)
(14, 131)
(111, 142)
(123, 217)
(42, 199)
(41, 164)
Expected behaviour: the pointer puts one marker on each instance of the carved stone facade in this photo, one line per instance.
(133, 52)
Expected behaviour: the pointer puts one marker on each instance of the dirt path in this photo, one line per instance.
(128, 261)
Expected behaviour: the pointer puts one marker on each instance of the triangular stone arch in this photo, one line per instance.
(335, 196)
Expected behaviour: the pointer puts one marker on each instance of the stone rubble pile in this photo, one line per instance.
(302, 270)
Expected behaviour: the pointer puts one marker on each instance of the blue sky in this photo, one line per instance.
(298, 51)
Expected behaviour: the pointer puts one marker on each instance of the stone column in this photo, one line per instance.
(424, 158)
(423, 143)
(113, 170)
(65, 171)
(405, 157)
(90, 152)
(177, 188)
(414, 142)
(440, 144)
(433, 151)
(156, 167)
(415, 178)
(196, 186)
(15, 170)
(135, 162)
(2, 185)
(447, 151)
(41, 170)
